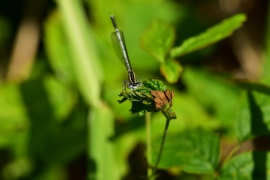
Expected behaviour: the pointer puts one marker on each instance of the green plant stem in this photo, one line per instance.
(148, 142)
(161, 146)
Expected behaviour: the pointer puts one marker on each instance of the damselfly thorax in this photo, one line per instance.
(133, 82)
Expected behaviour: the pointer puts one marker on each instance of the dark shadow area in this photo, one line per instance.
(92, 169)
(39, 112)
(260, 169)
(40, 115)
(137, 164)
(51, 141)
(77, 168)
(5, 158)
(258, 127)
(134, 123)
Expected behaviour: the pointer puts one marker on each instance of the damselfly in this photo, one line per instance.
(119, 45)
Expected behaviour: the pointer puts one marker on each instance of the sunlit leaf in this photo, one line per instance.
(101, 148)
(158, 38)
(253, 116)
(58, 49)
(193, 151)
(84, 58)
(265, 75)
(171, 70)
(210, 36)
(247, 166)
(218, 97)
(184, 106)
(59, 93)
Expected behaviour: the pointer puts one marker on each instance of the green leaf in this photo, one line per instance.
(40, 114)
(247, 166)
(192, 151)
(84, 58)
(61, 142)
(253, 116)
(154, 84)
(210, 36)
(64, 144)
(184, 106)
(254, 86)
(158, 38)
(57, 94)
(102, 160)
(14, 122)
(171, 70)
(216, 96)
(58, 49)
(265, 75)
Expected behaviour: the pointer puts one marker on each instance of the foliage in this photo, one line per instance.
(153, 96)
(159, 37)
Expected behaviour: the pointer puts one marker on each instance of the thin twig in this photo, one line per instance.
(148, 142)
(161, 146)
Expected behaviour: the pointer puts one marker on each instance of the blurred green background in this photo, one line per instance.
(60, 81)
